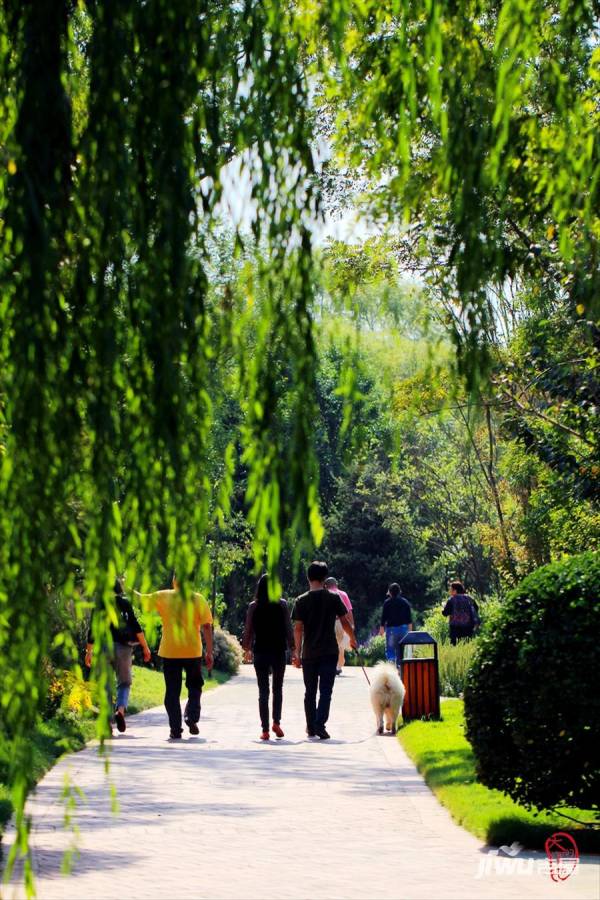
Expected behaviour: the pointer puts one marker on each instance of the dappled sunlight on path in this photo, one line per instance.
(224, 815)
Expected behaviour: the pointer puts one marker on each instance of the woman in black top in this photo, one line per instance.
(267, 635)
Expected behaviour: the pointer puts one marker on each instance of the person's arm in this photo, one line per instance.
(298, 637)
(447, 610)
(90, 644)
(148, 601)
(248, 634)
(137, 629)
(348, 605)
(383, 621)
(289, 630)
(349, 631)
(207, 637)
(144, 645)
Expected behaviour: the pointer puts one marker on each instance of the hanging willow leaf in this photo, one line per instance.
(112, 121)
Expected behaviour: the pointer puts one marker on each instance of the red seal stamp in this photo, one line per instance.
(563, 855)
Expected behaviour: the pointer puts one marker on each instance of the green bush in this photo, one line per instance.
(532, 714)
(227, 651)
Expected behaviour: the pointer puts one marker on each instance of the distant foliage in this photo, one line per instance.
(532, 711)
(482, 117)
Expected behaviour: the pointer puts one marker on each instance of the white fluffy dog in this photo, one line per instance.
(387, 696)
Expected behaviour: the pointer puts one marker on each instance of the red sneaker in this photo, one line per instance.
(277, 729)
(264, 736)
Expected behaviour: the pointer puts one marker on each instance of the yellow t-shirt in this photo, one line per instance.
(181, 622)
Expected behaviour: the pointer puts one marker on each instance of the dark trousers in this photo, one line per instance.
(318, 674)
(173, 670)
(264, 664)
(459, 632)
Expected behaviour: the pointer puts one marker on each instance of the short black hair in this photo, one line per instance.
(317, 571)
(457, 586)
(394, 589)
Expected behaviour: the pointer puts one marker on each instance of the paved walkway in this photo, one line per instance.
(225, 816)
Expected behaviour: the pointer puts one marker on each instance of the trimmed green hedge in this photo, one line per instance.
(532, 705)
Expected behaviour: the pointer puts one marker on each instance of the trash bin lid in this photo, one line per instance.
(418, 637)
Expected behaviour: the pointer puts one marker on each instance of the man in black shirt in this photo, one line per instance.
(314, 616)
(125, 636)
(396, 622)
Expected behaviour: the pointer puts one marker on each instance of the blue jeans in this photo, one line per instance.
(393, 636)
(122, 662)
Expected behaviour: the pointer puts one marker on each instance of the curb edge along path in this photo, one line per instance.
(225, 816)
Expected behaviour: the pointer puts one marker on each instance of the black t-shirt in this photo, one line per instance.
(318, 610)
(127, 629)
(396, 611)
(268, 628)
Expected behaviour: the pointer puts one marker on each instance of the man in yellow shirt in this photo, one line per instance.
(183, 618)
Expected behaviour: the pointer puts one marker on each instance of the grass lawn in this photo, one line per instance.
(148, 688)
(444, 757)
(54, 737)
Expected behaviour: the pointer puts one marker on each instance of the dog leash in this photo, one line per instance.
(362, 667)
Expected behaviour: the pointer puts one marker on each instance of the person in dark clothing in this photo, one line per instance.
(462, 612)
(314, 616)
(396, 622)
(126, 634)
(268, 635)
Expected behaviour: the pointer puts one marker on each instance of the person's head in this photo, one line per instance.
(457, 587)
(394, 590)
(118, 587)
(330, 582)
(317, 572)
(262, 589)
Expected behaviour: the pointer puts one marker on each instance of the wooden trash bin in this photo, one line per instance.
(421, 679)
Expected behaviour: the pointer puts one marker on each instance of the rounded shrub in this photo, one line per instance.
(227, 651)
(531, 708)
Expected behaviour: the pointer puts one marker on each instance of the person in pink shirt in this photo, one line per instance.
(342, 638)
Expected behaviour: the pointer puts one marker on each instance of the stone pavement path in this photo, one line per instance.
(226, 816)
